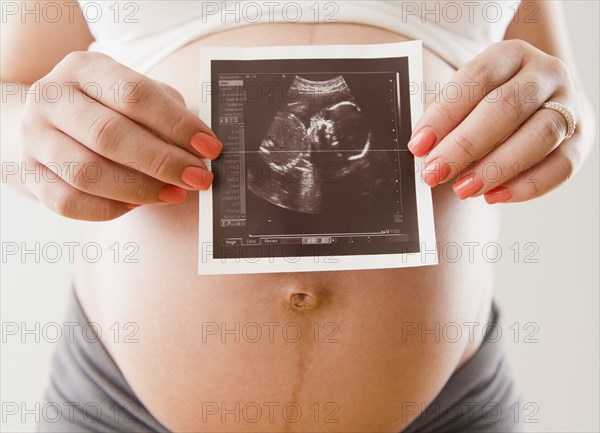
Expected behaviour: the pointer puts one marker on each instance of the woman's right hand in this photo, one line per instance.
(111, 140)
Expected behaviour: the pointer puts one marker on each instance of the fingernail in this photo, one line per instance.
(497, 195)
(435, 172)
(468, 185)
(172, 194)
(421, 143)
(197, 177)
(207, 145)
(133, 206)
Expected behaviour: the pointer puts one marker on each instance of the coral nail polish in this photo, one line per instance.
(206, 145)
(422, 143)
(197, 177)
(435, 172)
(468, 185)
(499, 194)
(172, 194)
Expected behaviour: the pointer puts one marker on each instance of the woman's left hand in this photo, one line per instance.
(487, 128)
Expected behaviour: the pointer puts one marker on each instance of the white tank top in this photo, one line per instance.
(141, 33)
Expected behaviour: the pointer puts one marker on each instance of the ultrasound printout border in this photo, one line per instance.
(208, 265)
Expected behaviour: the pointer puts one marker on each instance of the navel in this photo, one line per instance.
(303, 301)
(303, 296)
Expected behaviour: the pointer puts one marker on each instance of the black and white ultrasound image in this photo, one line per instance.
(319, 153)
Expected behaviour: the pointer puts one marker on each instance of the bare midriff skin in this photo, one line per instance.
(359, 372)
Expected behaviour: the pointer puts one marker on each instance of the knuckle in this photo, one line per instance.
(76, 58)
(568, 164)
(178, 126)
(77, 62)
(79, 176)
(25, 127)
(531, 182)
(518, 45)
(65, 204)
(28, 163)
(106, 132)
(30, 128)
(32, 100)
(480, 73)
(445, 113)
(556, 66)
(534, 188)
(511, 103)
(161, 163)
(173, 93)
(465, 146)
(135, 94)
(106, 212)
(550, 133)
(138, 193)
(69, 205)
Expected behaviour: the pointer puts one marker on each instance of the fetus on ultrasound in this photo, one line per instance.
(318, 152)
(340, 129)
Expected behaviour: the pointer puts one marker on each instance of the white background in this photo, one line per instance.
(559, 373)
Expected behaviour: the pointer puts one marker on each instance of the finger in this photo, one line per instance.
(173, 93)
(143, 101)
(473, 81)
(529, 145)
(119, 139)
(488, 125)
(554, 170)
(69, 202)
(91, 173)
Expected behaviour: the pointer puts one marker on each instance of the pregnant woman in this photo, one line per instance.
(375, 354)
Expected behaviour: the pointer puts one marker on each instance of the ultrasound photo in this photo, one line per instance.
(315, 173)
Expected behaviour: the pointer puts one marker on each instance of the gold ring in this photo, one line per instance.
(566, 113)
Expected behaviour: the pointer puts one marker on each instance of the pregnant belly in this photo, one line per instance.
(310, 351)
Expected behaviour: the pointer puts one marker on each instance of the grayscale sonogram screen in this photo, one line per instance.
(314, 158)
